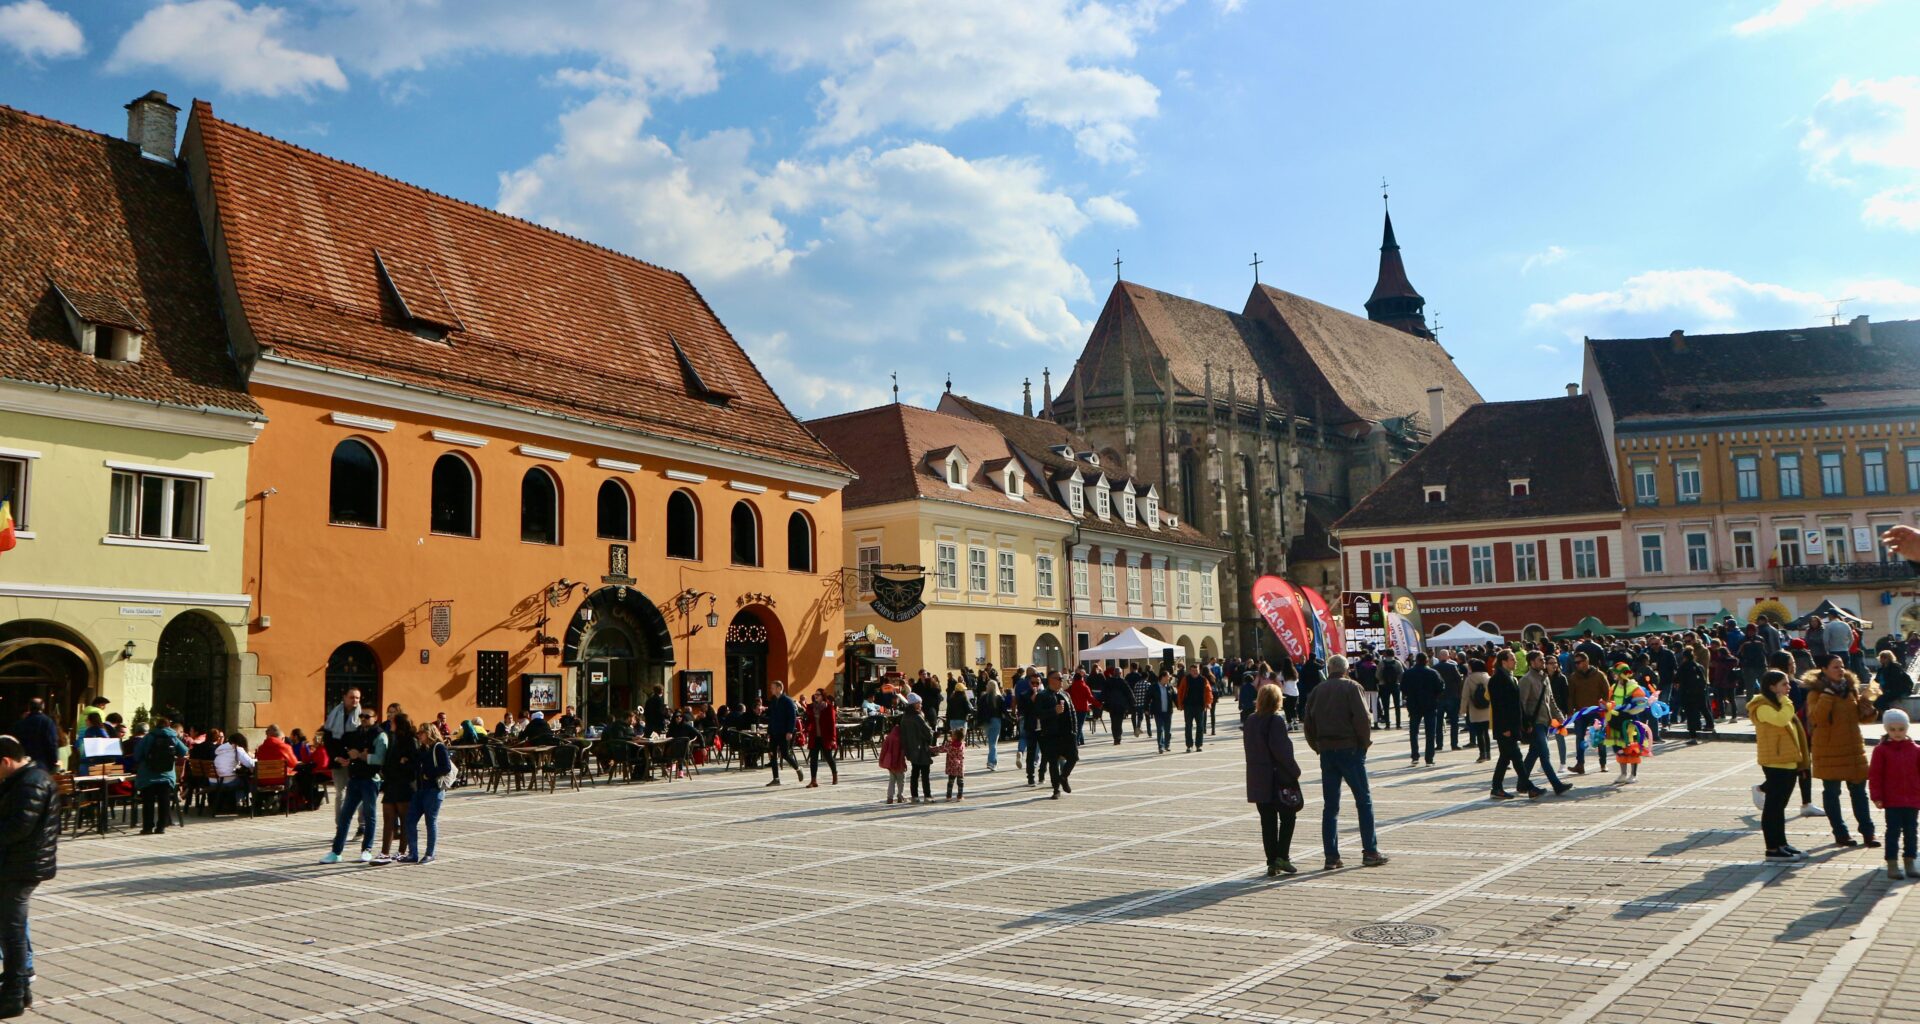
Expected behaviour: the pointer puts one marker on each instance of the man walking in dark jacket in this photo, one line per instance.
(38, 735)
(783, 720)
(1339, 729)
(1454, 682)
(29, 837)
(1117, 695)
(1423, 688)
(1507, 723)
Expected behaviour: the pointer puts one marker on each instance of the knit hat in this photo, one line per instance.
(913, 698)
(539, 716)
(1894, 716)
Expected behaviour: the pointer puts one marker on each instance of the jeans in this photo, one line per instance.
(1429, 720)
(1537, 754)
(1165, 720)
(1196, 723)
(992, 728)
(1349, 766)
(425, 804)
(362, 795)
(1902, 823)
(1029, 740)
(1276, 831)
(16, 943)
(156, 806)
(1580, 751)
(340, 780)
(814, 755)
(1778, 789)
(1510, 755)
(1862, 809)
(783, 750)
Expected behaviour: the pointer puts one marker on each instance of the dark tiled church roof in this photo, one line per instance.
(1553, 442)
(1761, 371)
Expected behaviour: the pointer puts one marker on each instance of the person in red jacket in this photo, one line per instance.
(273, 748)
(1081, 695)
(823, 738)
(1893, 780)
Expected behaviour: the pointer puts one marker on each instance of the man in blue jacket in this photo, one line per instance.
(783, 719)
(1423, 689)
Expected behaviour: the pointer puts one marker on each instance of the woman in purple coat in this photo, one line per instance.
(1273, 778)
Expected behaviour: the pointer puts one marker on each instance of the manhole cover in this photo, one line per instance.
(1394, 933)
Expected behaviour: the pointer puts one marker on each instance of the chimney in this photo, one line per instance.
(1861, 332)
(150, 124)
(1437, 410)
(1679, 339)
(1573, 391)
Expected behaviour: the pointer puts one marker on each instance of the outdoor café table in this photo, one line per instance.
(105, 782)
(538, 756)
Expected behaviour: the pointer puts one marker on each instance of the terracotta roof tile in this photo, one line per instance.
(544, 321)
(116, 232)
(894, 448)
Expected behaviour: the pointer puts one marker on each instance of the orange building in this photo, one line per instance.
(504, 468)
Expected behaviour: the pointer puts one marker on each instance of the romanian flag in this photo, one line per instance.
(7, 540)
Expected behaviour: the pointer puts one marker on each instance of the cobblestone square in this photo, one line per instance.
(1139, 898)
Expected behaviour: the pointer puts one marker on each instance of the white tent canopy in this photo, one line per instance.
(1129, 645)
(1465, 634)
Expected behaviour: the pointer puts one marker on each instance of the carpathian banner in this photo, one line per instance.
(1286, 613)
(898, 600)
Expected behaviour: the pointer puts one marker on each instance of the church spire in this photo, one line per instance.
(1394, 301)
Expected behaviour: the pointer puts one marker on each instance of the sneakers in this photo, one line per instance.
(428, 859)
(366, 856)
(1501, 794)
(1785, 855)
(1333, 864)
(1849, 842)
(1798, 854)
(1561, 789)
(408, 859)
(775, 782)
(381, 859)
(1894, 872)
(331, 858)
(1372, 860)
(1812, 811)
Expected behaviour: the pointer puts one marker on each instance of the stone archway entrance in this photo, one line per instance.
(619, 645)
(44, 660)
(353, 666)
(756, 654)
(190, 672)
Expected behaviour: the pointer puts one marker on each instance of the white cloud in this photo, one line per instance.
(1549, 349)
(1545, 258)
(1702, 301)
(1110, 210)
(1788, 13)
(36, 31)
(239, 48)
(1866, 134)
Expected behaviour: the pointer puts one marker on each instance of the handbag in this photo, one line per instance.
(1289, 798)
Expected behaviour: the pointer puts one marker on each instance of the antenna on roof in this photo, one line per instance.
(896, 387)
(1256, 267)
(1834, 319)
(1436, 328)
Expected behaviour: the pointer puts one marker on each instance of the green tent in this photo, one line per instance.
(1588, 624)
(1653, 624)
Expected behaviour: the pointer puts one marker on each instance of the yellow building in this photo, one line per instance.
(1764, 466)
(124, 433)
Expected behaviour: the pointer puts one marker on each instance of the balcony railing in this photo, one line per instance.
(1850, 572)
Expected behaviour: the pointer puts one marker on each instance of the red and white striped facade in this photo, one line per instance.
(1515, 576)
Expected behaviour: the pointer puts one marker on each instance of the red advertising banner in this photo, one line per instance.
(1280, 604)
(1329, 622)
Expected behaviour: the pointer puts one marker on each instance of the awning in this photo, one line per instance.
(1465, 634)
(1129, 645)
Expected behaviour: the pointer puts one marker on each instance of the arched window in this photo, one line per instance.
(746, 534)
(1190, 485)
(539, 507)
(454, 490)
(799, 542)
(683, 526)
(353, 488)
(615, 512)
(352, 666)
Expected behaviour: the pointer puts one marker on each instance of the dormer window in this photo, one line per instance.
(102, 326)
(1012, 484)
(1127, 506)
(1077, 496)
(956, 472)
(1519, 487)
(1153, 512)
(1436, 494)
(1102, 500)
(423, 304)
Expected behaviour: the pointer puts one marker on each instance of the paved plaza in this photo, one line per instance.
(1140, 898)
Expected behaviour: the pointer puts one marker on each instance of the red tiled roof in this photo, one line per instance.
(87, 217)
(893, 448)
(537, 319)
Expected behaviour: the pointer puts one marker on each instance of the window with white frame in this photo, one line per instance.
(1080, 578)
(1183, 587)
(1746, 549)
(156, 506)
(1645, 490)
(1109, 586)
(1133, 583)
(1788, 538)
(1160, 585)
(977, 570)
(14, 481)
(1006, 574)
(1873, 470)
(1686, 481)
(1102, 501)
(946, 566)
(1077, 496)
(1153, 512)
(1586, 559)
(1013, 486)
(956, 473)
(1206, 588)
(1382, 575)
(1699, 553)
(1526, 561)
(1746, 477)
(1439, 567)
(1836, 544)
(1127, 506)
(1653, 554)
(1043, 576)
(1480, 562)
(869, 557)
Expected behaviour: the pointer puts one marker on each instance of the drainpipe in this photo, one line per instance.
(1072, 637)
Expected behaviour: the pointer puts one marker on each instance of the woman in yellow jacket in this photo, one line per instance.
(1782, 750)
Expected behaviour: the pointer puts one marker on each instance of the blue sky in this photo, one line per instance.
(924, 187)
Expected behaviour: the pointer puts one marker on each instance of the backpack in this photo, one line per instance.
(1480, 698)
(157, 759)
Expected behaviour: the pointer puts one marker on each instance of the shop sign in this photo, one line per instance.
(543, 691)
(886, 651)
(141, 612)
(897, 600)
(696, 687)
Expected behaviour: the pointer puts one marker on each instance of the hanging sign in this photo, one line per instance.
(898, 600)
(440, 623)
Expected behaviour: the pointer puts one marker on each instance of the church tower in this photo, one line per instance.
(1394, 301)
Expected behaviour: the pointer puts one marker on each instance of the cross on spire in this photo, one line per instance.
(1116, 265)
(1383, 192)
(896, 387)
(1256, 267)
